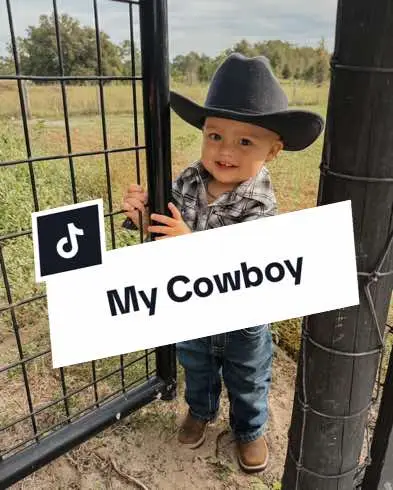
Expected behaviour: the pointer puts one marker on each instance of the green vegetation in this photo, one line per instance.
(295, 177)
(38, 55)
(288, 61)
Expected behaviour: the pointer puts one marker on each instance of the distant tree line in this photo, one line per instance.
(38, 53)
(39, 56)
(287, 61)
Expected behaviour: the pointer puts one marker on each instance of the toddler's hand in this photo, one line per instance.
(136, 200)
(175, 226)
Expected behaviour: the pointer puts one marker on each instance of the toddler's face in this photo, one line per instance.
(233, 151)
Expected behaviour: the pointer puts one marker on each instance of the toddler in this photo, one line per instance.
(245, 123)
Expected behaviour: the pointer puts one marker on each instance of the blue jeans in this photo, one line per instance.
(244, 358)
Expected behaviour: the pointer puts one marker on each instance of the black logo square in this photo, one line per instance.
(69, 240)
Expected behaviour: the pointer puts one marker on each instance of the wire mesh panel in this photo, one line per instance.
(67, 138)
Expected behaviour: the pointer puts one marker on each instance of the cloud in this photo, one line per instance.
(201, 25)
(210, 26)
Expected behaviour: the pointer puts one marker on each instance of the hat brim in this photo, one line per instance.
(297, 129)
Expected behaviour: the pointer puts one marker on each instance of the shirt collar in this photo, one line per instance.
(258, 188)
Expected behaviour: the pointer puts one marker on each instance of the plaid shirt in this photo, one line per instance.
(249, 200)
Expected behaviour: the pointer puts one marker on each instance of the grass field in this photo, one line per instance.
(46, 101)
(295, 175)
(295, 178)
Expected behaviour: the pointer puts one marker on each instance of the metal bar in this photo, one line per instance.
(70, 161)
(18, 341)
(17, 234)
(337, 373)
(134, 97)
(135, 112)
(22, 104)
(155, 69)
(72, 155)
(105, 140)
(75, 416)
(94, 375)
(28, 232)
(69, 395)
(64, 390)
(64, 99)
(61, 441)
(360, 68)
(25, 360)
(136, 138)
(81, 78)
(122, 372)
(23, 301)
(131, 2)
(147, 363)
(103, 121)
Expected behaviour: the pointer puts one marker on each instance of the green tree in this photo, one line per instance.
(38, 50)
(287, 61)
(309, 74)
(126, 58)
(7, 66)
(206, 68)
(286, 72)
(188, 68)
(177, 71)
(193, 63)
(297, 74)
(322, 64)
(245, 48)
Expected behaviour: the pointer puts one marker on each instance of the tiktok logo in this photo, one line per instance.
(73, 231)
(68, 238)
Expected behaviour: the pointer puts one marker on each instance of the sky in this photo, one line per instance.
(204, 26)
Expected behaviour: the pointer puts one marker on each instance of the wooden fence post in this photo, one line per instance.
(340, 349)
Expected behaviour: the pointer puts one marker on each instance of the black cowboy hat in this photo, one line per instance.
(246, 90)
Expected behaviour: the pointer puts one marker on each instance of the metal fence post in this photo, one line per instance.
(341, 349)
(155, 72)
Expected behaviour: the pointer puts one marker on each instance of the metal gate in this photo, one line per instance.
(44, 412)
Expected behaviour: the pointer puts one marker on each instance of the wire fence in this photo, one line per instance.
(382, 350)
(67, 405)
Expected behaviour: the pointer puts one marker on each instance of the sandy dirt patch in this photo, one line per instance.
(141, 451)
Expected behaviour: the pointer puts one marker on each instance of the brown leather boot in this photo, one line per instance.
(192, 432)
(253, 456)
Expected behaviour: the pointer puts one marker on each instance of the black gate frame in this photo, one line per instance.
(155, 77)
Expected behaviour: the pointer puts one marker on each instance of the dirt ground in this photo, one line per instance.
(141, 451)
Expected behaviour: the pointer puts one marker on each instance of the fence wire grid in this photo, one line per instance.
(37, 401)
